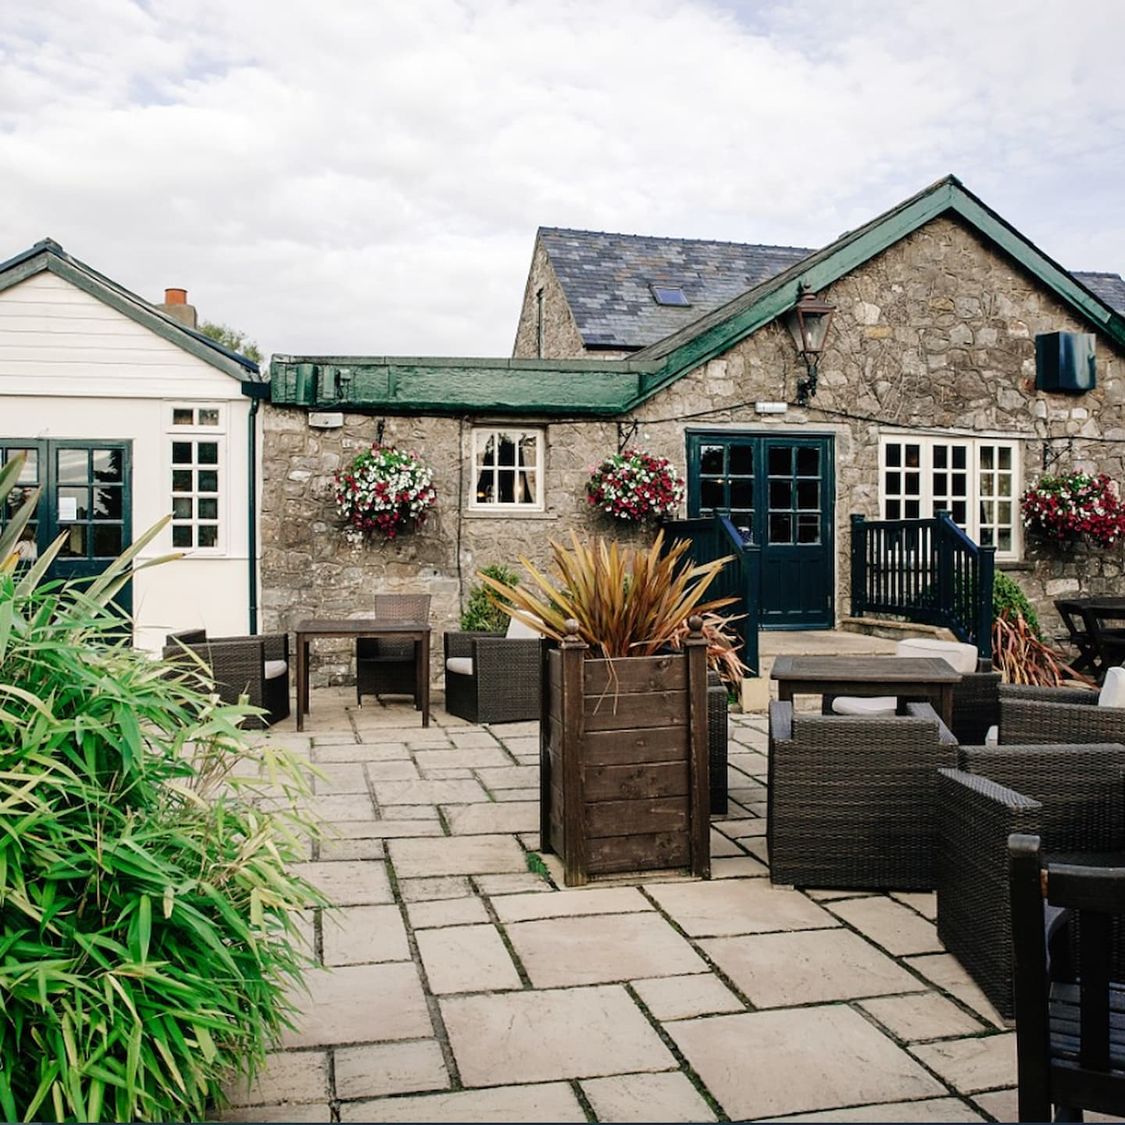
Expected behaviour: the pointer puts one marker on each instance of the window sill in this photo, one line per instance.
(507, 514)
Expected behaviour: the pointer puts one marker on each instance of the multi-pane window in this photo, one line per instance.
(726, 482)
(507, 468)
(975, 480)
(197, 468)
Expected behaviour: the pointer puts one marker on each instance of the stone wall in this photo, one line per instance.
(937, 332)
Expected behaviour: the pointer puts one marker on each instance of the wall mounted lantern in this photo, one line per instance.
(808, 322)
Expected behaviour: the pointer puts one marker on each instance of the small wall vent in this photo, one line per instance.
(1064, 362)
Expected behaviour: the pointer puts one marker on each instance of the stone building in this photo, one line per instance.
(926, 396)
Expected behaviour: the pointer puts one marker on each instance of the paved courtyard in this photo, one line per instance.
(461, 983)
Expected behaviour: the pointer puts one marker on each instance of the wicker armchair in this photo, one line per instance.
(493, 678)
(386, 666)
(1056, 715)
(852, 800)
(256, 667)
(1072, 796)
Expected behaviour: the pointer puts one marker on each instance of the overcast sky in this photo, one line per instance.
(347, 177)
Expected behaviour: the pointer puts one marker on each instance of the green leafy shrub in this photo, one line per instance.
(1008, 600)
(482, 612)
(146, 933)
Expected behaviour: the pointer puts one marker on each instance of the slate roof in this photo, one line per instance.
(607, 277)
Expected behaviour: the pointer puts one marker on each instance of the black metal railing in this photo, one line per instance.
(715, 537)
(928, 571)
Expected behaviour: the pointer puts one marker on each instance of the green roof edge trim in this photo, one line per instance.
(614, 387)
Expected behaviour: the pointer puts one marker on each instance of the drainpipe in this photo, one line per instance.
(255, 392)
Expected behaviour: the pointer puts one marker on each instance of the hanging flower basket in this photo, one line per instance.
(1066, 508)
(635, 486)
(383, 491)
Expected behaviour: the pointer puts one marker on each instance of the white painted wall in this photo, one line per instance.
(73, 367)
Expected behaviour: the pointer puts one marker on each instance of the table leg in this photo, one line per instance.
(947, 705)
(424, 683)
(302, 680)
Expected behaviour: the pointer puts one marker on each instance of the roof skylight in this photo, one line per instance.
(669, 295)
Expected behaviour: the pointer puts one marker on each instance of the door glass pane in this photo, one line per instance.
(208, 480)
(711, 495)
(808, 461)
(108, 466)
(107, 503)
(711, 460)
(181, 480)
(208, 452)
(808, 495)
(741, 460)
(808, 529)
(74, 504)
(208, 535)
(107, 540)
(73, 466)
(181, 507)
(74, 544)
(781, 494)
(181, 535)
(781, 527)
(742, 494)
(29, 474)
(780, 461)
(208, 508)
(181, 453)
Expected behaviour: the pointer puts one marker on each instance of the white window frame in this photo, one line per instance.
(984, 482)
(478, 438)
(196, 432)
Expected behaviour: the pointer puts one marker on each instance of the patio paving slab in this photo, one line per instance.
(601, 948)
(389, 1068)
(492, 817)
(765, 1064)
(572, 902)
(552, 1102)
(384, 829)
(929, 1016)
(925, 902)
(717, 909)
(446, 912)
(389, 793)
(774, 970)
(356, 935)
(430, 889)
(463, 757)
(930, 1109)
(466, 959)
(340, 777)
(679, 998)
(457, 855)
(529, 793)
(360, 848)
(944, 970)
(515, 883)
(738, 867)
(352, 751)
(344, 806)
(646, 1097)
(359, 1004)
(972, 1065)
(544, 1035)
(287, 1076)
(509, 777)
(349, 882)
(897, 928)
(397, 770)
(287, 1111)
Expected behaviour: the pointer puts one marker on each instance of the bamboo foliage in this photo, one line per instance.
(147, 936)
(627, 602)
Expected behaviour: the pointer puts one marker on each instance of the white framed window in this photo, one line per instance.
(976, 480)
(197, 450)
(507, 468)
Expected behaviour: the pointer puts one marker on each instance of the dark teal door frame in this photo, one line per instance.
(779, 491)
(86, 494)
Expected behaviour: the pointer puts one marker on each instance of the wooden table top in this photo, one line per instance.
(865, 669)
(346, 626)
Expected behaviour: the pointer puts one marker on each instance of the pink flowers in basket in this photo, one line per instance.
(1065, 508)
(635, 486)
(383, 490)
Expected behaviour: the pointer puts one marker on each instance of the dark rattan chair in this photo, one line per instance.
(494, 677)
(1070, 1026)
(387, 666)
(1069, 795)
(256, 667)
(1071, 611)
(852, 800)
(1056, 715)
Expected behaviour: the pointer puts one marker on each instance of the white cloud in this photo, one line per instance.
(354, 178)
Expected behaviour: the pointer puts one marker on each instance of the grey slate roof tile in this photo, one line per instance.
(606, 280)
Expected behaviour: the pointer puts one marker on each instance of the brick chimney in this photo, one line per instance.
(175, 305)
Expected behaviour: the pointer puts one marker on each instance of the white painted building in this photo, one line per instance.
(128, 415)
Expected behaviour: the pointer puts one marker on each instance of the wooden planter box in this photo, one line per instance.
(624, 762)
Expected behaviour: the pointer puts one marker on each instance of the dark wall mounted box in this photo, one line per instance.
(1064, 362)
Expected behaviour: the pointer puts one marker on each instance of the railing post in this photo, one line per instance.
(859, 565)
(987, 574)
(943, 522)
(752, 576)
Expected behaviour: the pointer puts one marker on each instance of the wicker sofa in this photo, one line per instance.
(256, 667)
(493, 677)
(1070, 795)
(1057, 715)
(852, 799)
(387, 665)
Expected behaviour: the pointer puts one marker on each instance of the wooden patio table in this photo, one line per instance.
(906, 677)
(419, 632)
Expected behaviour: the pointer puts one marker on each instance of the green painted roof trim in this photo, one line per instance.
(614, 387)
(89, 281)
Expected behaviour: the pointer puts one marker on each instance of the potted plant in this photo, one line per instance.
(383, 491)
(623, 744)
(1076, 505)
(635, 487)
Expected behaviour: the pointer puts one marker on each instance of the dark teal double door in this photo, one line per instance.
(85, 496)
(779, 492)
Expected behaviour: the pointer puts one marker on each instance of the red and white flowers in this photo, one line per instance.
(384, 490)
(635, 486)
(1066, 508)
